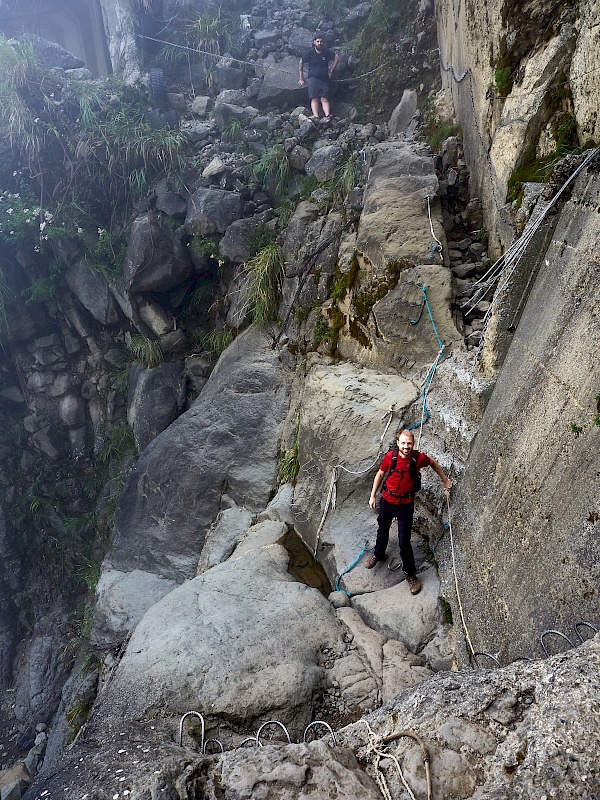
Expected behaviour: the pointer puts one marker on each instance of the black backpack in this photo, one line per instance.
(414, 473)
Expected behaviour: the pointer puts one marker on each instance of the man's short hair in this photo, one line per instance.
(405, 432)
(318, 36)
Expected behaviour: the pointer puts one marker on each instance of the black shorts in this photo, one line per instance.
(318, 87)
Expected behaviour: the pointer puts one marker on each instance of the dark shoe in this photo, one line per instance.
(414, 584)
(371, 561)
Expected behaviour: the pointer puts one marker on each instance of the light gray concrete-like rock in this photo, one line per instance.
(343, 419)
(404, 112)
(398, 614)
(547, 747)
(121, 601)
(227, 442)
(298, 772)
(394, 224)
(228, 531)
(242, 641)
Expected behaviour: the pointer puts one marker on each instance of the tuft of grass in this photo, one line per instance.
(232, 132)
(503, 80)
(273, 164)
(146, 350)
(289, 466)
(439, 136)
(264, 271)
(120, 442)
(330, 9)
(215, 342)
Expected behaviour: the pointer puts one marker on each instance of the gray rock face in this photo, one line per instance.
(212, 211)
(324, 162)
(155, 260)
(39, 687)
(228, 441)
(244, 642)
(394, 224)
(296, 772)
(404, 112)
(121, 601)
(499, 733)
(236, 244)
(300, 41)
(50, 54)
(280, 84)
(519, 514)
(92, 291)
(155, 400)
(171, 204)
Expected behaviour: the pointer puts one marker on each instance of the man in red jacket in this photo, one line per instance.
(398, 501)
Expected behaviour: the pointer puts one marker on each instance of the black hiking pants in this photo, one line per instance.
(403, 512)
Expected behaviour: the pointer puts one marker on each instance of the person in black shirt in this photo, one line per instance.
(321, 62)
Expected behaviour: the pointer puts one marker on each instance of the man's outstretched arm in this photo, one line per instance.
(443, 477)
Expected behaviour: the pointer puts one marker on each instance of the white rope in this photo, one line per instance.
(431, 227)
(460, 608)
(429, 380)
(379, 775)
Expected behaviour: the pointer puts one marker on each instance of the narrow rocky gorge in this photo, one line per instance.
(224, 459)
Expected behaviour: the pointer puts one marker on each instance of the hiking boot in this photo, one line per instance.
(371, 561)
(414, 584)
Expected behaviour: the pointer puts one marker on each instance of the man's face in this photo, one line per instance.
(318, 44)
(405, 445)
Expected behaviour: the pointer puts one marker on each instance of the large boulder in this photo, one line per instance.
(228, 441)
(155, 259)
(394, 224)
(296, 772)
(528, 730)
(324, 162)
(241, 641)
(344, 417)
(50, 54)
(212, 211)
(155, 400)
(92, 291)
(280, 84)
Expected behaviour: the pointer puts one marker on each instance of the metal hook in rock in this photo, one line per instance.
(584, 624)
(487, 655)
(556, 633)
(393, 566)
(325, 725)
(212, 741)
(201, 718)
(247, 740)
(272, 722)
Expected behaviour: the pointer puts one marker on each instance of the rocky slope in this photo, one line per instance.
(246, 501)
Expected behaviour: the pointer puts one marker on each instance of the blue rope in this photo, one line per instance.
(352, 565)
(431, 373)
